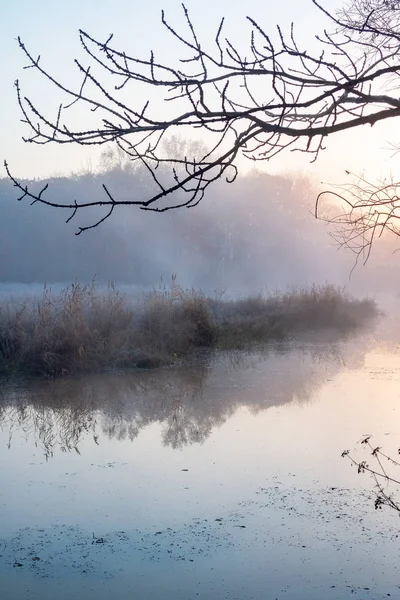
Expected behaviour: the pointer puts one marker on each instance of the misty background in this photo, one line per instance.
(256, 234)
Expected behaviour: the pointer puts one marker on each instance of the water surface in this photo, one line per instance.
(217, 479)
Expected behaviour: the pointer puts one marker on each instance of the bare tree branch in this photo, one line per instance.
(381, 473)
(281, 98)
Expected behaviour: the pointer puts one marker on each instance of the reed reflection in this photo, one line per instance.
(189, 401)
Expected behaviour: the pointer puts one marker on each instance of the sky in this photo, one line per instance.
(50, 29)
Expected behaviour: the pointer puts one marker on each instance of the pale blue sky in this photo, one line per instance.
(50, 28)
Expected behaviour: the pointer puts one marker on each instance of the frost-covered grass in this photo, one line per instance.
(83, 328)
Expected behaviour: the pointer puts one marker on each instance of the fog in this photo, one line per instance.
(255, 234)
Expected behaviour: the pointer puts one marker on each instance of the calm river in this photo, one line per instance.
(218, 479)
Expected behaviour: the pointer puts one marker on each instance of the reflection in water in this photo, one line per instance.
(189, 401)
(258, 504)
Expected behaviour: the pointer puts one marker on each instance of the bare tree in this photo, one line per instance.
(277, 96)
(367, 210)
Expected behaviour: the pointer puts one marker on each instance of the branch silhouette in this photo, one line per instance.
(276, 97)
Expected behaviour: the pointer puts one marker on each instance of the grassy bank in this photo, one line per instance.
(84, 329)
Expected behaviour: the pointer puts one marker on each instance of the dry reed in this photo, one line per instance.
(86, 329)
